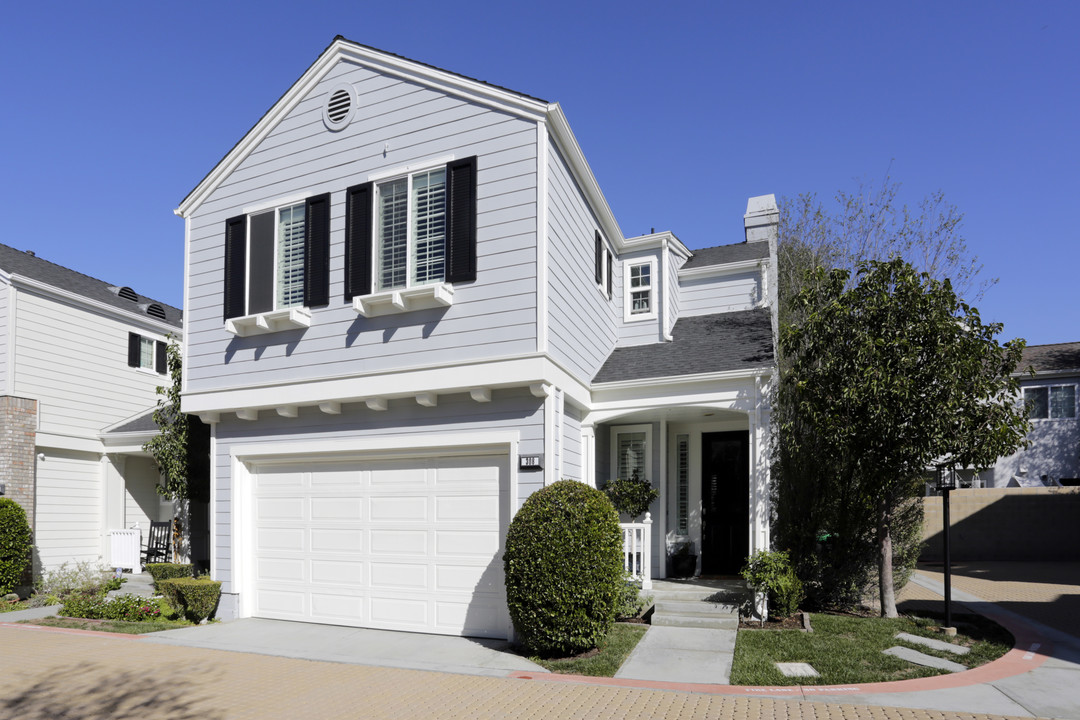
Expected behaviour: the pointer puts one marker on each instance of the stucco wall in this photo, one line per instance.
(1006, 524)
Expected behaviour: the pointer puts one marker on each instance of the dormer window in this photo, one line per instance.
(639, 287)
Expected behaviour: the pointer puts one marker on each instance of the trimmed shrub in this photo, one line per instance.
(770, 572)
(97, 607)
(631, 497)
(15, 545)
(168, 571)
(564, 569)
(195, 598)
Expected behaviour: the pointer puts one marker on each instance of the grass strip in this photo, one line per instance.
(604, 661)
(112, 626)
(848, 649)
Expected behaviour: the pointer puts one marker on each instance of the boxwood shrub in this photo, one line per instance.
(564, 569)
(15, 545)
(99, 607)
(195, 598)
(167, 571)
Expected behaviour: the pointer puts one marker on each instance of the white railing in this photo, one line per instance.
(637, 545)
(125, 546)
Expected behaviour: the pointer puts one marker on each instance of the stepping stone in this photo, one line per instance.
(797, 669)
(918, 658)
(932, 643)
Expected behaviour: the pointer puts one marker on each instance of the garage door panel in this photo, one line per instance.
(281, 508)
(403, 576)
(337, 540)
(337, 572)
(401, 612)
(401, 544)
(337, 606)
(337, 508)
(284, 539)
(394, 474)
(477, 543)
(466, 508)
(399, 509)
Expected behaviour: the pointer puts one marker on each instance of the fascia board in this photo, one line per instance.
(450, 378)
(344, 50)
(58, 441)
(126, 443)
(723, 268)
(1023, 376)
(579, 167)
(21, 281)
(698, 386)
(642, 242)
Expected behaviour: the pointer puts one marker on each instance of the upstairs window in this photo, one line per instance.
(411, 230)
(603, 266)
(639, 300)
(278, 258)
(146, 353)
(1054, 402)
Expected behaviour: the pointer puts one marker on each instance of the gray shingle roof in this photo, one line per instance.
(1061, 356)
(22, 263)
(727, 253)
(701, 344)
(142, 423)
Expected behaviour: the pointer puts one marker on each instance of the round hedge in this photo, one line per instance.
(15, 545)
(564, 569)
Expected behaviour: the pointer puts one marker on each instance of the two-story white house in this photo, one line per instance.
(409, 306)
(80, 361)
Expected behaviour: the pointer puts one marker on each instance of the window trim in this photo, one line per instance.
(410, 249)
(618, 430)
(158, 359)
(604, 261)
(628, 315)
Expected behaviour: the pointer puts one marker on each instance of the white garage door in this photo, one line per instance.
(400, 544)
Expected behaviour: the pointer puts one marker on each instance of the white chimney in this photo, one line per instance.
(762, 219)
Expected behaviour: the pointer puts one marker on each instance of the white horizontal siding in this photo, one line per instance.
(5, 291)
(639, 332)
(515, 409)
(582, 320)
(74, 362)
(571, 443)
(397, 123)
(710, 295)
(672, 291)
(69, 509)
(142, 504)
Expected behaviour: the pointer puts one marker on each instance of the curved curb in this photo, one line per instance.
(1030, 650)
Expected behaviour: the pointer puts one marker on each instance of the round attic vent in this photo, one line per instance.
(340, 106)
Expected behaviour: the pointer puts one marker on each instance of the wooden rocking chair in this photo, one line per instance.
(157, 544)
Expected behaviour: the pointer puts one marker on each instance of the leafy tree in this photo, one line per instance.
(884, 378)
(869, 224)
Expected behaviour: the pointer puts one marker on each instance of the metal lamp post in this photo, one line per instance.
(946, 481)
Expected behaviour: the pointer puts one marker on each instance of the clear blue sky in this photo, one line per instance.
(114, 111)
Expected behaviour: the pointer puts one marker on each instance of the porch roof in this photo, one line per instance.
(700, 344)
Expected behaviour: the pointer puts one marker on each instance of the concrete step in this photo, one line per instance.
(694, 607)
(715, 622)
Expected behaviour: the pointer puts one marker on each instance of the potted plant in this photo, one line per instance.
(631, 497)
(683, 559)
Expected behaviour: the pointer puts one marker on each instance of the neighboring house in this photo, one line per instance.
(1052, 457)
(79, 364)
(409, 306)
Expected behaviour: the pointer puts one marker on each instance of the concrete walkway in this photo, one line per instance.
(685, 655)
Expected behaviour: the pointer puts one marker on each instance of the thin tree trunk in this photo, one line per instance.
(886, 591)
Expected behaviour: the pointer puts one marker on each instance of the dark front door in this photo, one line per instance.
(725, 502)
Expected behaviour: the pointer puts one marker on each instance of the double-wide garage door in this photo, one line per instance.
(401, 544)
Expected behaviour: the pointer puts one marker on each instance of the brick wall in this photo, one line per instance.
(18, 430)
(1005, 524)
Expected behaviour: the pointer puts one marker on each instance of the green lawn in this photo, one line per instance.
(112, 626)
(622, 639)
(846, 649)
(12, 607)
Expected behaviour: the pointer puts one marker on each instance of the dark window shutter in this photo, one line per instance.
(133, 350)
(235, 266)
(608, 255)
(599, 258)
(358, 250)
(160, 363)
(461, 220)
(317, 251)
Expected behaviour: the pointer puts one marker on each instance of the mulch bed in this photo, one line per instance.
(789, 623)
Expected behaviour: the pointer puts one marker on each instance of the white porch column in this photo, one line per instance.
(113, 500)
(759, 476)
(588, 454)
(660, 565)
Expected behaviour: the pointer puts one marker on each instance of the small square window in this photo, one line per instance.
(1035, 399)
(1063, 401)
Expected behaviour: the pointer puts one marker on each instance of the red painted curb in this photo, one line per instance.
(1030, 650)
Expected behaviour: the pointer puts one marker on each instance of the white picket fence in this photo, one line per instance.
(637, 541)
